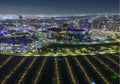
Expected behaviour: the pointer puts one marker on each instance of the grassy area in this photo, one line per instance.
(69, 50)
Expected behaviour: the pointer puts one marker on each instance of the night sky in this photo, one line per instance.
(58, 6)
